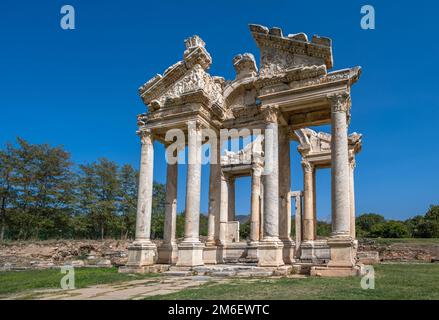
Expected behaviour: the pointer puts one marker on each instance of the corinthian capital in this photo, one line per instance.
(307, 166)
(339, 102)
(271, 113)
(145, 136)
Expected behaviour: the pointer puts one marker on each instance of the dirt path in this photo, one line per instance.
(130, 290)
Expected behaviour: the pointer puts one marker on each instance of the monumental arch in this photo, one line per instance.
(294, 88)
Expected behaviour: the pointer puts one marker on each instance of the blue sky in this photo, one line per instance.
(79, 88)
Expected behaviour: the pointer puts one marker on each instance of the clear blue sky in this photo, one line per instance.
(79, 88)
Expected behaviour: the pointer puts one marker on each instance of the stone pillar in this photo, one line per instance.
(308, 201)
(255, 213)
(308, 218)
(255, 203)
(224, 209)
(190, 251)
(314, 202)
(270, 249)
(261, 209)
(231, 197)
(298, 219)
(210, 254)
(214, 194)
(340, 167)
(352, 198)
(143, 252)
(285, 195)
(168, 250)
(340, 242)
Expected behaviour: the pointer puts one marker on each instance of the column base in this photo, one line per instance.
(288, 251)
(270, 253)
(141, 253)
(210, 254)
(168, 253)
(252, 251)
(342, 252)
(190, 254)
(335, 271)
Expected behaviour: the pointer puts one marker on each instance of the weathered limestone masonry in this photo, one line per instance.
(292, 90)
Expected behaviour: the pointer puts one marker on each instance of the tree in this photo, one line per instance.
(390, 229)
(6, 185)
(323, 228)
(98, 191)
(43, 190)
(366, 222)
(244, 230)
(128, 180)
(425, 226)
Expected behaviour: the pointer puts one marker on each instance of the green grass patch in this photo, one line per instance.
(19, 281)
(396, 281)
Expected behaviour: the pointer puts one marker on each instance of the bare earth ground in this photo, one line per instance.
(410, 275)
(46, 254)
(127, 290)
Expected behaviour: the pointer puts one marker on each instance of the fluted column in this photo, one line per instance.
(144, 199)
(352, 198)
(143, 252)
(271, 178)
(190, 250)
(214, 194)
(231, 197)
(284, 185)
(171, 204)
(168, 250)
(255, 203)
(340, 166)
(314, 202)
(270, 248)
(308, 201)
(193, 184)
(224, 209)
(298, 218)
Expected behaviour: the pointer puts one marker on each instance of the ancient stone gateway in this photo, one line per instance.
(292, 90)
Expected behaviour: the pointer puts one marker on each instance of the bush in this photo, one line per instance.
(390, 229)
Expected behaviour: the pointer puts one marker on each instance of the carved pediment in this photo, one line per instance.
(280, 53)
(183, 78)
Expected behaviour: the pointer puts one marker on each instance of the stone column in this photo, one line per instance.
(168, 251)
(270, 249)
(352, 198)
(224, 209)
(308, 201)
(143, 252)
(255, 214)
(340, 167)
(285, 195)
(231, 197)
(261, 209)
(298, 219)
(255, 203)
(314, 202)
(214, 194)
(340, 242)
(210, 255)
(190, 251)
(308, 218)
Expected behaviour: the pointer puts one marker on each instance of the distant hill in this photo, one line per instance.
(242, 218)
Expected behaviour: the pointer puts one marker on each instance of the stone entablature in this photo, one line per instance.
(315, 147)
(292, 89)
